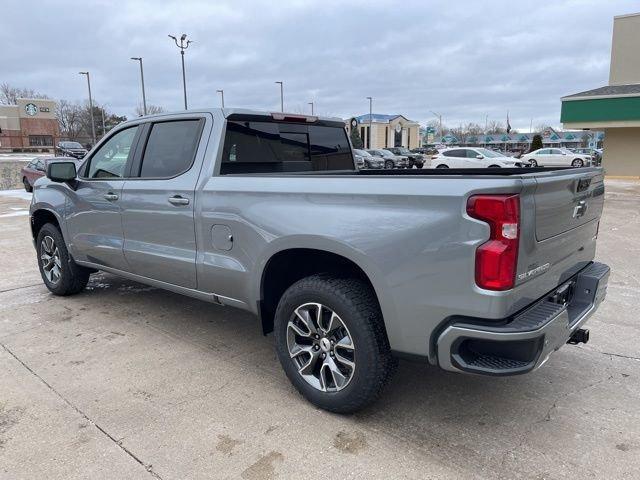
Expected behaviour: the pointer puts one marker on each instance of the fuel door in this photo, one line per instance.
(222, 237)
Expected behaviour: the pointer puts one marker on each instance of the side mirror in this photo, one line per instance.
(479, 157)
(63, 171)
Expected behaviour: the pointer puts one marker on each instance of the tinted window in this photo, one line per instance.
(543, 152)
(170, 149)
(110, 160)
(264, 147)
(472, 154)
(455, 153)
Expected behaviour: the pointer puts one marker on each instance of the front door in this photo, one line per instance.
(94, 226)
(158, 202)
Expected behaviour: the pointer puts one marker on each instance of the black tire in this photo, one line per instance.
(442, 166)
(72, 278)
(389, 165)
(533, 163)
(27, 185)
(577, 163)
(366, 164)
(355, 304)
(494, 166)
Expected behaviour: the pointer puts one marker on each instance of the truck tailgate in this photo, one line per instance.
(567, 200)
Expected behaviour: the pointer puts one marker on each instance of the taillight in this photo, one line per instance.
(497, 258)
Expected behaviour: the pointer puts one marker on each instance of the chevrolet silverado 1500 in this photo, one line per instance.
(484, 271)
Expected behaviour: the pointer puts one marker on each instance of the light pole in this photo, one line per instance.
(183, 46)
(221, 92)
(370, 121)
(93, 127)
(144, 97)
(439, 117)
(311, 103)
(102, 113)
(281, 96)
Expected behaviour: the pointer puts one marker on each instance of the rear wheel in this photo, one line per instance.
(494, 166)
(388, 164)
(27, 185)
(60, 273)
(442, 166)
(577, 162)
(331, 342)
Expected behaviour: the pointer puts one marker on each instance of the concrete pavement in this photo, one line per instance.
(127, 381)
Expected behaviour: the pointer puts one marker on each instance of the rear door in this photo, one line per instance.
(158, 201)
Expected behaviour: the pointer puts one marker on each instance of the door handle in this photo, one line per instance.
(178, 200)
(110, 196)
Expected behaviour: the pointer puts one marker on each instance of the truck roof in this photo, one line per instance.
(227, 112)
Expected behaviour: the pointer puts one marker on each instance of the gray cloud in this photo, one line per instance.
(464, 60)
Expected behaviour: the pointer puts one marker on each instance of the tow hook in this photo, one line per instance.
(579, 336)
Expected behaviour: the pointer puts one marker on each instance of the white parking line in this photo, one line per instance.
(16, 194)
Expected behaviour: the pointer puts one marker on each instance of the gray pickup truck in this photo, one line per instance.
(479, 271)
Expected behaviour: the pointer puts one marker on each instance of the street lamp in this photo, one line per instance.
(93, 127)
(311, 103)
(144, 97)
(183, 46)
(370, 121)
(281, 96)
(221, 92)
(439, 117)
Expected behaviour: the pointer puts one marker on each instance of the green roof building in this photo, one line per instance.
(614, 107)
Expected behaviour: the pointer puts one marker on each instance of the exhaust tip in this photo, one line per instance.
(579, 336)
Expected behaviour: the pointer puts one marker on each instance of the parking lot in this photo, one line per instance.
(127, 381)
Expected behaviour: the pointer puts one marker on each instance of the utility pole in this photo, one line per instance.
(103, 128)
(439, 117)
(221, 92)
(144, 97)
(183, 46)
(93, 126)
(370, 121)
(311, 103)
(281, 96)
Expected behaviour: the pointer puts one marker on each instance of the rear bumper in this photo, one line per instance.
(524, 342)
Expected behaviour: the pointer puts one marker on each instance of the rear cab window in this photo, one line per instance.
(255, 146)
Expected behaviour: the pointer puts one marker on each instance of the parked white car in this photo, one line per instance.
(556, 157)
(473, 158)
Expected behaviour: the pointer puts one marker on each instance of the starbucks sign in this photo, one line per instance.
(30, 109)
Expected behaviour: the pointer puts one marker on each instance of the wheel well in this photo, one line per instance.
(288, 266)
(39, 219)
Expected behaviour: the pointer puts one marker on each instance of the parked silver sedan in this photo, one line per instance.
(365, 160)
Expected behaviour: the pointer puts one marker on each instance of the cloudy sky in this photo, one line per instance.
(464, 60)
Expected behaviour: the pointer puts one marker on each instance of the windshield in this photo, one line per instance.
(362, 153)
(71, 145)
(402, 150)
(489, 153)
(385, 153)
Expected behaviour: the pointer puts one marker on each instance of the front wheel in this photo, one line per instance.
(533, 163)
(61, 275)
(442, 166)
(331, 342)
(494, 166)
(388, 165)
(27, 185)
(577, 163)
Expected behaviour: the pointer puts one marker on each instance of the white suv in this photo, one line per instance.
(556, 157)
(473, 158)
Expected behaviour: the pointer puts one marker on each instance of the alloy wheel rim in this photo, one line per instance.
(50, 259)
(321, 347)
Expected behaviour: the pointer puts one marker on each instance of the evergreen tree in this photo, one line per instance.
(356, 141)
(536, 143)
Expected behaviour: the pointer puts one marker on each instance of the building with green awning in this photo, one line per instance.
(614, 107)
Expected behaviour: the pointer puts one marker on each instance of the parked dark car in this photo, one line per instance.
(36, 168)
(416, 159)
(425, 150)
(70, 149)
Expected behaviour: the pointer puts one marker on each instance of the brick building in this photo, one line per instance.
(31, 125)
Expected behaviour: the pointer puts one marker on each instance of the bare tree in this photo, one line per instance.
(494, 127)
(151, 110)
(9, 95)
(69, 117)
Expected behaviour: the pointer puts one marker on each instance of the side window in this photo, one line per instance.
(110, 160)
(268, 147)
(544, 152)
(555, 151)
(171, 148)
(472, 154)
(40, 166)
(455, 153)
